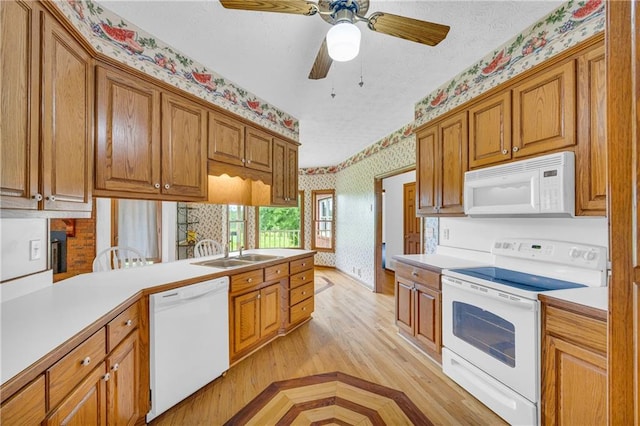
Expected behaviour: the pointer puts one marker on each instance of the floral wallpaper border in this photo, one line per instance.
(111, 35)
(566, 26)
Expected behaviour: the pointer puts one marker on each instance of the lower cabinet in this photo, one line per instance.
(301, 291)
(418, 307)
(26, 407)
(574, 364)
(123, 401)
(256, 316)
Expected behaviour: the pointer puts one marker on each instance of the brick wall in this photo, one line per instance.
(81, 244)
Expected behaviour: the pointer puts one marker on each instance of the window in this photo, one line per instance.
(137, 224)
(281, 227)
(323, 220)
(237, 221)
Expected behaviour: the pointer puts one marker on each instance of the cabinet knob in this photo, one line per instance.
(167, 186)
(303, 278)
(258, 295)
(304, 309)
(51, 198)
(37, 197)
(515, 149)
(505, 151)
(277, 271)
(304, 292)
(115, 367)
(106, 377)
(244, 161)
(156, 185)
(414, 273)
(304, 264)
(86, 361)
(248, 161)
(249, 280)
(128, 323)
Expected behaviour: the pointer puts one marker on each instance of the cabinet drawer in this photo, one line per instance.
(27, 407)
(300, 293)
(276, 272)
(65, 374)
(418, 275)
(301, 265)
(301, 278)
(120, 326)
(301, 311)
(577, 328)
(247, 280)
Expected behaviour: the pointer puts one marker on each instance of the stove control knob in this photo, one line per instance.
(574, 252)
(589, 255)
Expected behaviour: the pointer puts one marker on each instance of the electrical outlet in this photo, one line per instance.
(353, 269)
(360, 272)
(35, 248)
(430, 232)
(445, 233)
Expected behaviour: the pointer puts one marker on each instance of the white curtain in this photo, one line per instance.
(138, 226)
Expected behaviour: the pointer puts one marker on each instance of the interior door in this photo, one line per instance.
(411, 223)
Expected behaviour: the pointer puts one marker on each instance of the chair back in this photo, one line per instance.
(118, 258)
(207, 248)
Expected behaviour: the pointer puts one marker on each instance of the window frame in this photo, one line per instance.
(314, 221)
(301, 236)
(244, 223)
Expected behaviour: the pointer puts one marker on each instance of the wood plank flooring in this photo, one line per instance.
(352, 331)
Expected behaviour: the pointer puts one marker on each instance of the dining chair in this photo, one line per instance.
(207, 248)
(118, 257)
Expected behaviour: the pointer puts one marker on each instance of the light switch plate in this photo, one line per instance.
(35, 249)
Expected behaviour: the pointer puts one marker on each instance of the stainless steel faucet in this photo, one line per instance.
(241, 247)
(226, 251)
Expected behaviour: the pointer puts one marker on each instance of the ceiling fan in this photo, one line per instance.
(342, 42)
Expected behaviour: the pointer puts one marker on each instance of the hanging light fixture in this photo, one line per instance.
(343, 41)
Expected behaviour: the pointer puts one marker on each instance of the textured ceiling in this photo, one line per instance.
(270, 55)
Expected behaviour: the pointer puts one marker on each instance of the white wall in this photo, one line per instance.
(393, 211)
(15, 235)
(479, 233)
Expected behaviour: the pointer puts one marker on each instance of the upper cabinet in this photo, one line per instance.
(47, 94)
(150, 143)
(441, 152)
(490, 131)
(284, 188)
(234, 143)
(544, 111)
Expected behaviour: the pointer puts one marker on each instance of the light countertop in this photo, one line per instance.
(436, 262)
(594, 297)
(37, 323)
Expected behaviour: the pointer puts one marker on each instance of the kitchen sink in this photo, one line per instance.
(224, 263)
(256, 257)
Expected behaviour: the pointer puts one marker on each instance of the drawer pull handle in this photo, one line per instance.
(86, 361)
(304, 278)
(414, 273)
(304, 292)
(304, 309)
(277, 271)
(304, 264)
(249, 280)
(128, 323)
(115, 367)
(106, 377)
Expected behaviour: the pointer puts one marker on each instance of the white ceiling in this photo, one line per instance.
(270, 55)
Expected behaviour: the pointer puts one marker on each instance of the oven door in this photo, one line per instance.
(494, 331)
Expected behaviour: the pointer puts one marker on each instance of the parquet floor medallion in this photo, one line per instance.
(329, 399)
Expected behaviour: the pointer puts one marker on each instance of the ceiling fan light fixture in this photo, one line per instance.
(343, 41)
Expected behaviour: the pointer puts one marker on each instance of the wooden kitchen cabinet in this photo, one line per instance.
(284, 187)
(544, 111)
(47, 114)
(441, 152)
(418, 307)
(591, 159)
(256, 316)
(27, 407)
(123, 365)
(574, 364)
(233, 142)
(490, 131)
(150, 143)
(301, 291)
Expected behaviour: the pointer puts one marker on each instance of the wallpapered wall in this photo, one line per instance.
(309, 184)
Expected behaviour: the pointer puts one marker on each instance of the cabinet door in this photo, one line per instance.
(574, 384)
(428, 317)
(226, 139)
(123, 387)
(284, 186)
(27, 407)
(246, 320)
(128, 134)
(404, 305)
(19, 115)
(453, 163)
(67, 120)
(544, 112)
(257, 149)
(490, 131)
(292, 174)
(591, 160)
(270, 310)
(427, 169)
(184, 132)
(85, 405)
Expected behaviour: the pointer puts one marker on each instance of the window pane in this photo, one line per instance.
(323, 220)
(279, 227)
(138, 226)
(237, 227)
(324, 234)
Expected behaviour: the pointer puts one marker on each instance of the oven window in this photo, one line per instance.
(485, 331)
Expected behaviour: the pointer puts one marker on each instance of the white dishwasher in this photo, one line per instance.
(189, 333)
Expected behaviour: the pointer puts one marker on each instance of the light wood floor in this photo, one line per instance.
(352, 331)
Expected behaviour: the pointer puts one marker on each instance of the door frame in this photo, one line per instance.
(377, 190)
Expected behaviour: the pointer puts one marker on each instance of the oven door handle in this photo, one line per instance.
(478, 290)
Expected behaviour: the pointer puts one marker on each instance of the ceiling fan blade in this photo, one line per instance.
(323, 62)
(298, 7)
(408, 28)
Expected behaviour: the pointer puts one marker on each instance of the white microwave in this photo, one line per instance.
(540, 186)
